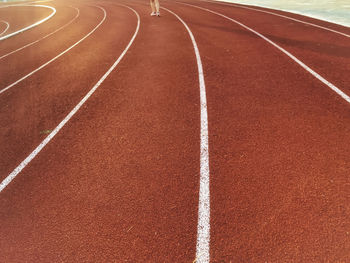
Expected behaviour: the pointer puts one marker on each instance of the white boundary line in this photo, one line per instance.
(59, 55)
(304, 66)
(275, 14)
(32, 43)
(31, 156)
(203, 227)
(7, 27)
(33, 25)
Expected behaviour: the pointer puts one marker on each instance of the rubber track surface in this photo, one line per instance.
(120, 181)
(63, 15)
(22, 16)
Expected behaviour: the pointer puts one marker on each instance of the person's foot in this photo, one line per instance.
(153, 14)
(158, 14)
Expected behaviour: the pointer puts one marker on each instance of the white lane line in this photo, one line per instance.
(304, 66)
(33, 25)
(26, 3)
(59, 55)
(203, 227)
(7, 27)
(44, 1)
(32, 43)
(275, 14)
(31, 156)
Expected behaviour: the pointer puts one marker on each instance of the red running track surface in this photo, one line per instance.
(22, 16)
(120, 181)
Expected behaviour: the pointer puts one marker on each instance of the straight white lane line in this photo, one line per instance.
(31, 156)
(304, 66)
(203, 227)
(33, 25)
(59, 55)
(6, 28)
(32, 43)
(275, 14)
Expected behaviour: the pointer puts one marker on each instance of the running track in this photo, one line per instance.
(124, 176)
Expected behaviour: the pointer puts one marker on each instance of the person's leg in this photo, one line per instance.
(157, 6)
(153, 7)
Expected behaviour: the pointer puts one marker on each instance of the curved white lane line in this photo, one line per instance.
(33, 25)
(26, 3)
(203, 227)
(32, 43)
(31, 156)
(275, 14)
(304, 66)
(44, 1)
(59, 55)
(7, 27)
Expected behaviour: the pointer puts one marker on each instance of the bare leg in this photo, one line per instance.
(157, 5)
(153, 6)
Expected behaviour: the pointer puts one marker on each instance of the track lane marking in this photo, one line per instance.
(26, 3)
(32, 43)
(295, 59)
(203, 227)
(7, 27)
(275, 14)
(32, 25)
(32, 155)
(56, 57)
(44, 1)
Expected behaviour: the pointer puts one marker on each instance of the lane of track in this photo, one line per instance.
(327, 83)
(143, 187)
(325, 52)
(46, 36)
(36, 59)
(290, 16)
(277, 146)
(203, 225)
(31, 156)
(65, 14)
(19, 3)
(31, 108)
(31, 25)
